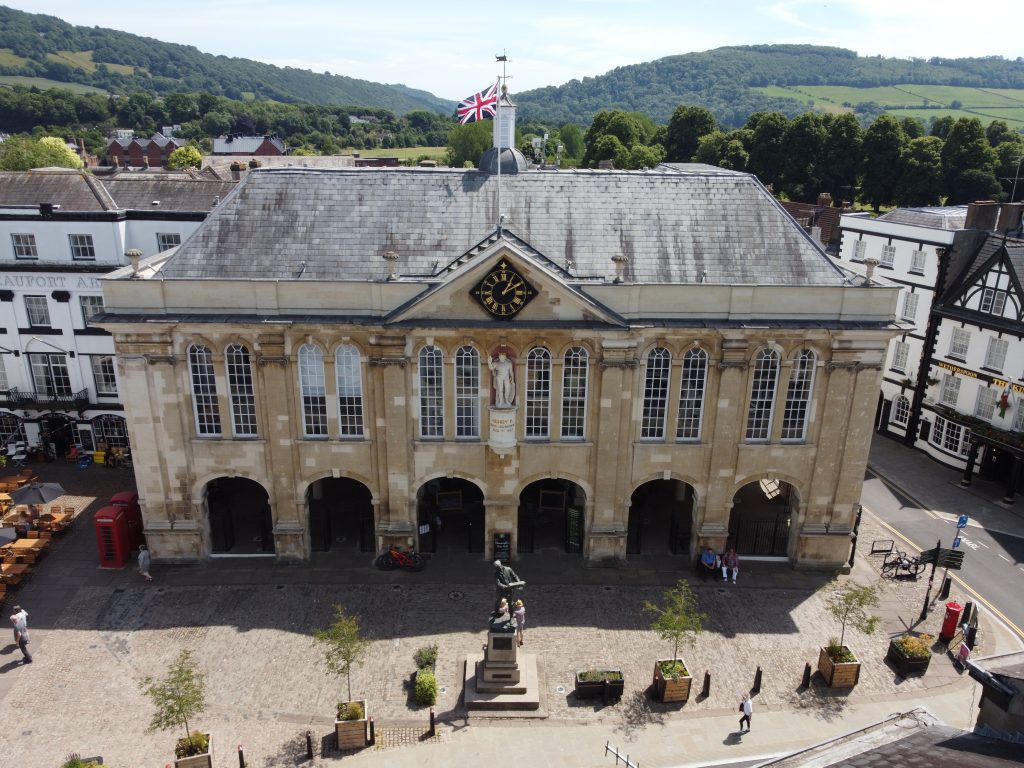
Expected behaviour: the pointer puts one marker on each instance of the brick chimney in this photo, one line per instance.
(981, 214)
(1009, 217)
(824, 200)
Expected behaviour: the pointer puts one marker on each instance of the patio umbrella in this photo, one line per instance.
(37, 493)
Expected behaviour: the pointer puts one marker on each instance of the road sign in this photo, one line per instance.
(962, 522)
(956, 542)
(950, 558)
(928, 556)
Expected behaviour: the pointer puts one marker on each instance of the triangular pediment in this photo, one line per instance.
(504, 281)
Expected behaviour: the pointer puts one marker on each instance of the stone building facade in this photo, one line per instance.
(312, 369)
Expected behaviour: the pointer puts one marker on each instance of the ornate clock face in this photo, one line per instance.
(503, 292)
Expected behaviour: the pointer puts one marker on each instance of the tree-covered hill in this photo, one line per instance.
(723, 80)
(35, 45)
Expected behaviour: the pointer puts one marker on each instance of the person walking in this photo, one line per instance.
(730, 562)
(520, 616)
(747, 708)
(20, 622)
(144, 562)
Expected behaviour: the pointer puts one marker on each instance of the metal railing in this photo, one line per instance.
(73, 401)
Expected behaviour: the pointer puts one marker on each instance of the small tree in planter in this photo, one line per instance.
(179, 696)
(677, 620)
(344, 647)
(849, 604)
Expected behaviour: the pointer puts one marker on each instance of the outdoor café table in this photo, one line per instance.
(17, 480)
(27, 548)
(15, 570)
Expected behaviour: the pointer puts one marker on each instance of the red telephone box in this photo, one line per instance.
(118, 535)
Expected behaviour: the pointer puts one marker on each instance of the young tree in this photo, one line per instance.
(849, 604)
(178, 696)
(188, 156)
(344, 647)
(678, 619)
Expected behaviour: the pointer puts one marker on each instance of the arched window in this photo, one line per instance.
(901, 410)
(762, 395)
(691, 394)
(243, 396)
(574, 394)
(655, 408)
(431, 392)
(467, 392)
(349, 373)
(204, 391)
(538, 393)
(313, 386)
(798, 398)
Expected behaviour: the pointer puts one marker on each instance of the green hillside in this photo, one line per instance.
(37, 46)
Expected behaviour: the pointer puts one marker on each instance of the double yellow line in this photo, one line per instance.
(978, 598)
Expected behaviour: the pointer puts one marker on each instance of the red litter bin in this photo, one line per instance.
(115, 536)
(951, 622)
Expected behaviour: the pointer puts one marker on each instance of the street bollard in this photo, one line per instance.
(433, 730)
(968, 613)
(373, 733)
(757, 681)
(947, 583)
(706, 690)
(309, 745)
(241, 757)
(806, 682)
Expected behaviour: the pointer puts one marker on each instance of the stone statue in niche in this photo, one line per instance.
(503, 377)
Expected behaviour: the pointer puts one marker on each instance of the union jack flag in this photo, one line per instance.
(479, 105)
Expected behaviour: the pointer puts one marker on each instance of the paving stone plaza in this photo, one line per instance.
(95, 633)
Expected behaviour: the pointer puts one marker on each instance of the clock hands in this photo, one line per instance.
(510, 286)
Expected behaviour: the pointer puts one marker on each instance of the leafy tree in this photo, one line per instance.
(849, 605)
(609, 147)
(883, 147)
(343, 645)
(912, 127)
(767, 155)
(968, 162)
(1009, 166)
(686, 126)
(678, 618)
(21, 154)
(467, 143)
(921, 181)
(572, 139)
(972, 184)
(941, 126)
(725, 150)
(624, 127)
(804, 147)
(642, 156)
(178, 696)
(998, 131)
(188, 156)
(844, 141)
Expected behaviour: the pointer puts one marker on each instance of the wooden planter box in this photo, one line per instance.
(353, 734)
(842, 674)
(672, 689)
(204, 760)
(906, 665)
(596, 689)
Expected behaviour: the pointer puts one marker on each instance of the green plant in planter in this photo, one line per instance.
(673, 669)
(177, 697)
(426, 687)
(838, 652)
(849, 605)
(678, 619)
(350, 710)
(344, 646)
(426, 657)
(914, 646)
(74, 761)
(597, 675)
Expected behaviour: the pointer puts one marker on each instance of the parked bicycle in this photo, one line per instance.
(897, 563)
(396, 558)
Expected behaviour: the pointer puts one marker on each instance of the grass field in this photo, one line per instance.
(409, 153)
(920, 101)
(9, 58)
(83, 60)
(42, 84)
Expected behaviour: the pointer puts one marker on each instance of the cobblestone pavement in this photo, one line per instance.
(97, 633)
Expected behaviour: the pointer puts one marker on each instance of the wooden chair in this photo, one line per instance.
(47, 534)
(33, 534)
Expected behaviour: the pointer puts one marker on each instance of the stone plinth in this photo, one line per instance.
(500, 678)
(502, 429)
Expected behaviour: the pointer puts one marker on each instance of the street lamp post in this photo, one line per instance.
(1016, 176)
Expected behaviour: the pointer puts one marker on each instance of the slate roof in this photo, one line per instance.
(76, 192)
(938, 746)
(674, 224)
(948, 217)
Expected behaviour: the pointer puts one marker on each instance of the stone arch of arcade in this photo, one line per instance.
(239, 516)
(341, 515)
(661, 517)
(450, 515)
(762, 516)
(552, 515)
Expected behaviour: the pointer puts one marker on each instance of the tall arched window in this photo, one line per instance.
(762, 395)
(349, 374)
(204, 391)
(691, 394)
(574, 394)
(240, 389)
(467, 392)
(431, 392)
(901, 410)
(313, 386)
(798, 398)
(655, 408)
(538, 393)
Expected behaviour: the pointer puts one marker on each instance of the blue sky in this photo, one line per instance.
(448, 47)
